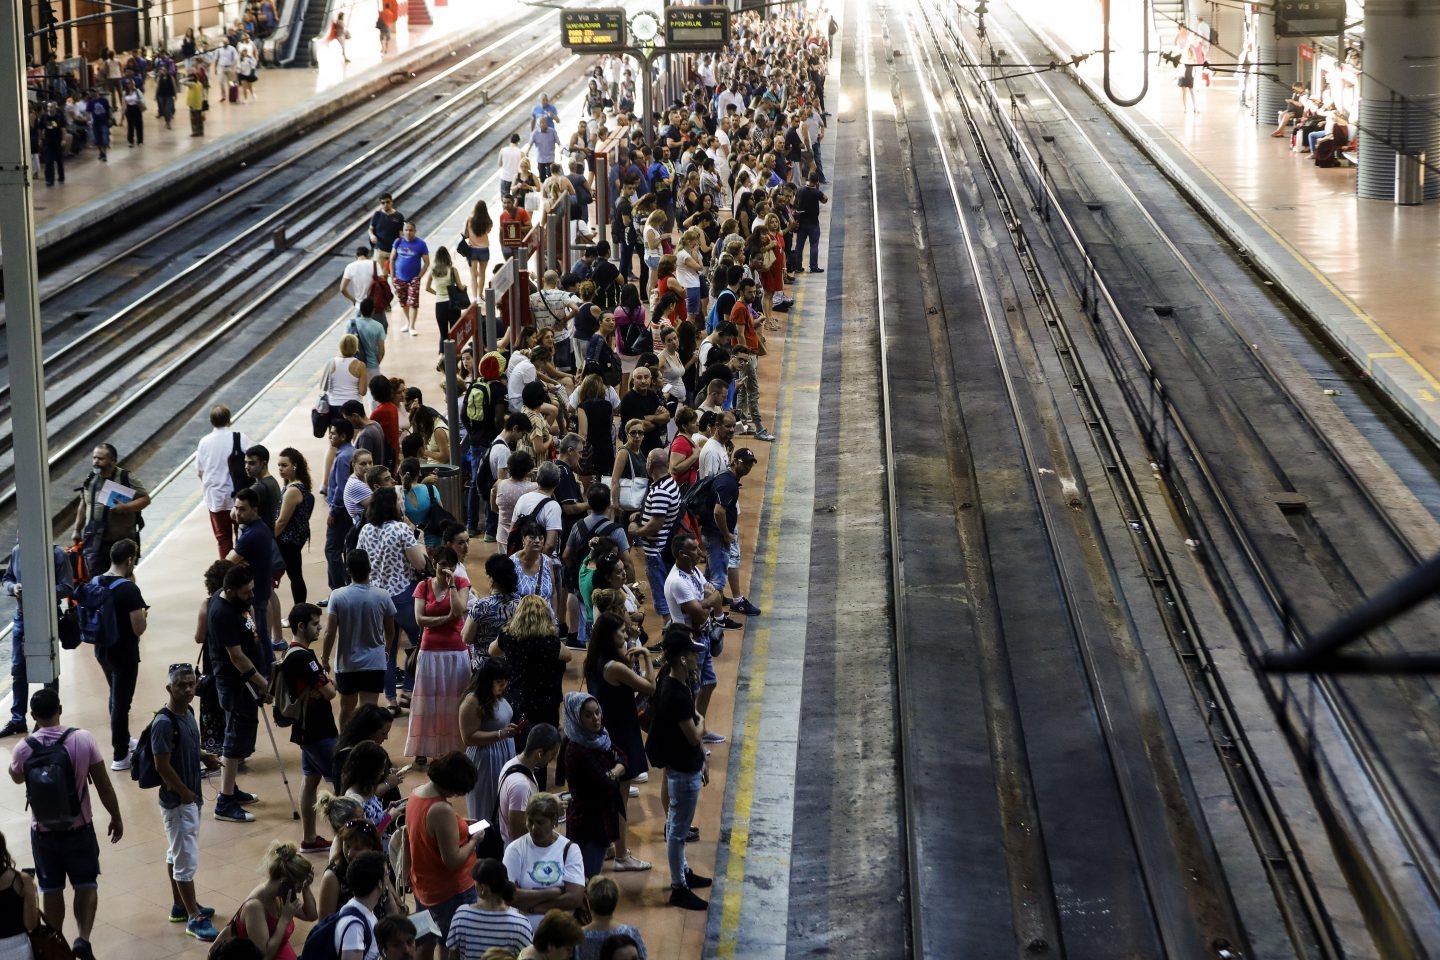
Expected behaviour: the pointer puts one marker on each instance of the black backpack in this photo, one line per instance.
(142, 758)
(577, 546)
(513, 542)
(492, 845)
(51, 792)
(235, 464)
(484, 476)
(320, 943)
(478, 412)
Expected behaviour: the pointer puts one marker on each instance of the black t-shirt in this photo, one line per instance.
(303, 673)
(586, 322)
(807, 205)
(637, 406)
(794, 146)
(667, 746)
(567, 491)
(387, 227)
(726, 491)
(229, 625)
(127, 598)
(256, 546)
(268, 490)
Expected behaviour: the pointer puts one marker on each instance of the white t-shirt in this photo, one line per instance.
(514, 795)
(538, 868)
(510, 162)
(212, 459)
(681, 588)
(550, 517)
(687, 268)
(521, 372)
(610, 395)
(713, 458)
(350, 934)
(357, 278)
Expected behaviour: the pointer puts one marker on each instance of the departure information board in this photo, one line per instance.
(697, 28)
(593, 31)
(1309, 18)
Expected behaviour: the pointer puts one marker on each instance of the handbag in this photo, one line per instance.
(69, 628)
(463, 247)
(320, 414)
(455, 294)
(47, 943)
(632, 492)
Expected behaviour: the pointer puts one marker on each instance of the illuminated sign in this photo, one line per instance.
(1309, 18)
(697, 28)
(593, 31)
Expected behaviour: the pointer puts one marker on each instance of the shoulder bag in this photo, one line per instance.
(320, 413)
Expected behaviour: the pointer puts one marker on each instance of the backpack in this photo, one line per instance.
(98, 623)
(478, 414)
(320, 943)
(379, 293)
(142, 758)
(713, 318)
(513, 542)
(696, 502)
(51, 793)
(577, 546)
(634, 338)
(353, 327)
(235, 464)
(485, 477)
(492, 845)
(287, 708)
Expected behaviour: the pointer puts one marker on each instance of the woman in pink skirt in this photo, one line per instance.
(442, 669)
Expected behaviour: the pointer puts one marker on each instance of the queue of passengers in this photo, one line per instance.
(600, 440)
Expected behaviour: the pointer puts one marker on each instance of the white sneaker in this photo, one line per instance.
(120, 764)
(634, 792)
(644, 777)
(405, 329)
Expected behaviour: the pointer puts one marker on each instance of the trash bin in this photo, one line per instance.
(1409, 178)
(451, 488)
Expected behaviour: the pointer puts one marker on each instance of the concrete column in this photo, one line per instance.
(1272, 84)
(1400, 94)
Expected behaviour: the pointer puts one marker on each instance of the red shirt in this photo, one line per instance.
(513, 227)
(388, 416)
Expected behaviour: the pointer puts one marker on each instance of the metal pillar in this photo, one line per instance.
(27, 375)
(489, 323)
(602, 194)
(452, 392)
(1400, 94)
(1272, 83)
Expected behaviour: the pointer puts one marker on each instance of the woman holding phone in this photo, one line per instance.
(267, 916)
(442, 848)
(442, 669)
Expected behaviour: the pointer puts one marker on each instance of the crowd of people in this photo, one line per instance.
(604, 437)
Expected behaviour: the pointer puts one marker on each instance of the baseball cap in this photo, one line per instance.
(678, 640)
(744, 455)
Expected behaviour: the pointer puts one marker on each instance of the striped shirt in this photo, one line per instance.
(661, 500)
(475, 930)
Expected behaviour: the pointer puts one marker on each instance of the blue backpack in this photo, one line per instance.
(98, 623)
(320, 944)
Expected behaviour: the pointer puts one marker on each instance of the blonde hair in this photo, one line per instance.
(634, 423)
(608, 600)
(532, 618)
(604, 895)
(337, 810)
(349, 345)
(545, 805)
(657, 219)
(283, 861)
(691, 237)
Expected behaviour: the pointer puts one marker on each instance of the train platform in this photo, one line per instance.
(1363, 269)
(746, 813)
(137, 178)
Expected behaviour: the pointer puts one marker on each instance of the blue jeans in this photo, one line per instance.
(475, 507)
(21, 679)
(444, 913)
(811, 232)
(404, 623)
(684, 798)
(592, 854)
(655, 573)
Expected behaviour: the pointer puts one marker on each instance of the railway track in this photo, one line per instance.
(1290, 518)
(166, 313)
(1080, 836)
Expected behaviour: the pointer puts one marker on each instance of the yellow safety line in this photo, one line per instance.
(739, 845)
(1375, 328)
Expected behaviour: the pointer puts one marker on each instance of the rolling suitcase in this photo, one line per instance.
(234, 93)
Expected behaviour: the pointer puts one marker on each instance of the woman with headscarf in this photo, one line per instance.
(595, 817)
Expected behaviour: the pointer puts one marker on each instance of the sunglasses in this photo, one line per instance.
(636, 433)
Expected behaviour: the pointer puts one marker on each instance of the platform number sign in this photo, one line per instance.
(697, 28)
(593, 31)
(1309, 18)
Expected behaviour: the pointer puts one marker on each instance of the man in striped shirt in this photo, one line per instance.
(657, 518)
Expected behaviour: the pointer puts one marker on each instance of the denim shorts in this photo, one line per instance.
(65, 854)
(444, 912)
(318, 759)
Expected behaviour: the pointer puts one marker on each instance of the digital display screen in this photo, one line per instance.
(1309, 18)
(593, 31)
(697, 28)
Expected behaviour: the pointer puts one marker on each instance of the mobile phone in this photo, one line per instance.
(479, 825)
(405, 769)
